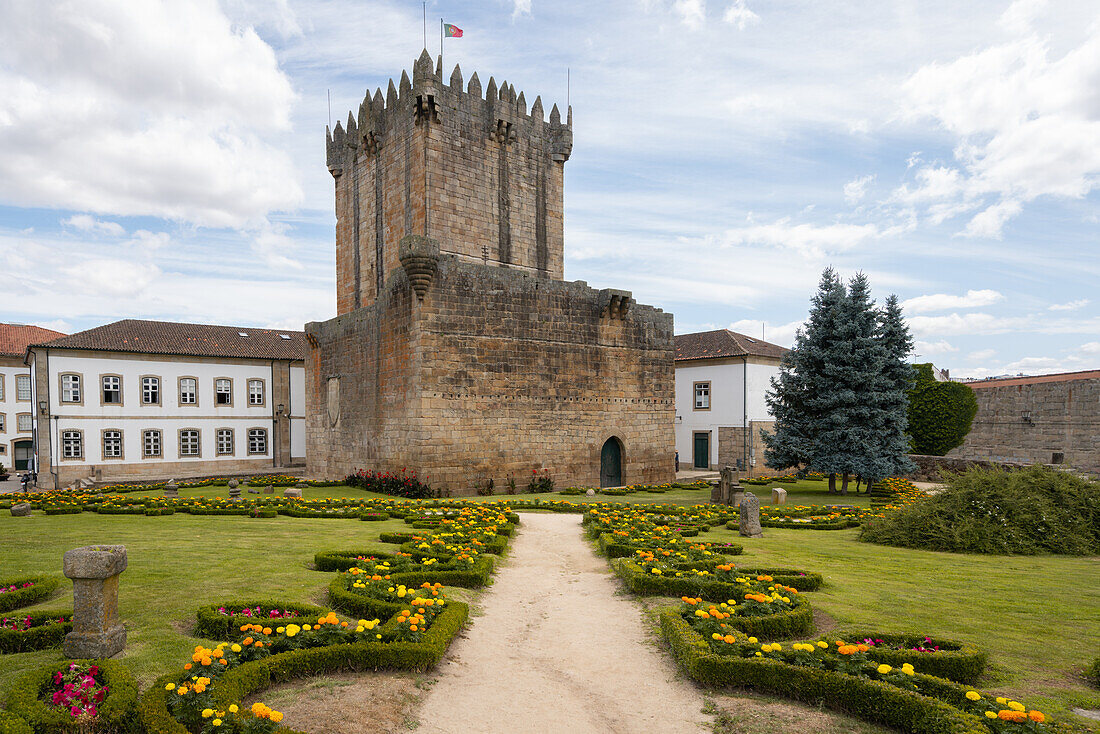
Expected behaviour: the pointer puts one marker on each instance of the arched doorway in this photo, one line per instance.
(611, 464)
(22, 452)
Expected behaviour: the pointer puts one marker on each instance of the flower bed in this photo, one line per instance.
(32, 694)
(24, 632)
(342, 560)
(22, 591)
(957, 661)
(903, 699)
(773, 613)
(217, 621)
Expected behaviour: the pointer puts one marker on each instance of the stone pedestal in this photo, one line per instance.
(97, 630)
(737, 493)
(269, 489)
(716, 497)
(748, 520)
(171, 489)
(234, 493)
(779, 496)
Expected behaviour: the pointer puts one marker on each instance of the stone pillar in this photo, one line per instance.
(716, 497)
(171, 489)
(748, 521)
(234, 489)
(97, 630)
(737, 493)
(779, 496)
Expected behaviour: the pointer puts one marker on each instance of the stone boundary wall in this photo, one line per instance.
(1049, 421)
(929, 467)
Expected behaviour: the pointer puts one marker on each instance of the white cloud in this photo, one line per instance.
(781, 334)
(812, 240)
(1026, 122)
(110, 277)
(154, 108)
(856, 189)
(1090, 348)
(520, 7)
(944, 301)
(982, 355)
(88, 223)
(1069, 305)
(692, 12)
(56, 325)
(739, 15)
(274, 246)
(925, 349)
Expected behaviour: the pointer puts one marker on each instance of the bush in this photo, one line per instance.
(45, 631)
(342, 560)
(42, 587)
(214, 625)
(957, 661)
(1092, 673)
(12, 724)
(1036, 510)
(116, 713)
(405, 484)
(940, 413)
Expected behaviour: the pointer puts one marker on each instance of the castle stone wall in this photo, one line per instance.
(1064, 424)
(496, 372)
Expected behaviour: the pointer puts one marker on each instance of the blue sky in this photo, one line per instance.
(166, 160)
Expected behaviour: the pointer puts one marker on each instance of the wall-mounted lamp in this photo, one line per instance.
(42, 405)
(281, 411)
(1027, 418)
(679, 419)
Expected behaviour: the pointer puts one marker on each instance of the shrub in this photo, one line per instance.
(1036, 510)
(342, 560)
(940, 413)
(215, 625)
(116, 713)
(1092, 673)
(45, 631)
(12, 724)
(22, 596)
(957, 661)
(541, 482)
(405, 484)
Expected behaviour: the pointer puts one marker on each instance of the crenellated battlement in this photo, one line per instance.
(427, 96)
(472, 168)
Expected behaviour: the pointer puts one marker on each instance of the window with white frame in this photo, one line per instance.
(189, 391)
(702, 396)
(23, 387)
(70, 388)
(112, 444)
(255, 392)
(150, 443)
(3, 423)
(223, 391)
(257, 440)
(150, 390)
(225, 441)
(72, 444)
(189, 442)
(1, 387)
(112, 390)
(23, 423)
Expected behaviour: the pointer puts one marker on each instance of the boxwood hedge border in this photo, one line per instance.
(214, 625)
(116, 713)
(964, 664)
(44, 585)
(37, 637)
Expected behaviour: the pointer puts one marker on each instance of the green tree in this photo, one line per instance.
(940, 413)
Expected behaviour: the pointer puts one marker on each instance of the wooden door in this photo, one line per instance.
(611, 464)
(701, 458)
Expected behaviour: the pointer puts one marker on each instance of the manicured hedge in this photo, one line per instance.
(250, 678)
(116, 713)
(396, 538)
(214, 625)
(44, 585)
(12, 724)
(374, 516)
(871, 700)
(963, 664)
(38, 637)
(613, 549)
(342, 560)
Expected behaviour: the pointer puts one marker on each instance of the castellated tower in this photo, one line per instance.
(458, 351)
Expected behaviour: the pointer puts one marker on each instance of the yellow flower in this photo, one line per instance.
(1016, 706)
(276, 716)
(991, 714)
(753, 640)
(233, 708)
(292, 629)
(207, 713)
(216, 722)
(181, 690)
(974, 695)
(884, 669)
(170, 686)
(822, 644)
(236, 647)
(1002, 700)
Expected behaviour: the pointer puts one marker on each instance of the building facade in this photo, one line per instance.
(1047, 419)
(16, 411)
(722, 378)
(458, 351)
(146, 399)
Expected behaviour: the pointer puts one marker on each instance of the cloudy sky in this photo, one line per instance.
(166, 159)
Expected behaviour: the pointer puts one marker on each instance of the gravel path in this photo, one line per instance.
(557, 650)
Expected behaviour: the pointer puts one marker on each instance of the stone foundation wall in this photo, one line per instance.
(495, 373)
(1064, 425)
(147, 471)
(731, 447)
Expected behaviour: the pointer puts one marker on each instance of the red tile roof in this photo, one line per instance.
(14, 338)
(723, 343)
(191, 340)
(1036, 379)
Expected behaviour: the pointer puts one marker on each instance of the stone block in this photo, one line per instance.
(779, 496)
(748, 520)
(97, 630)
(21, 509)
(292, 492)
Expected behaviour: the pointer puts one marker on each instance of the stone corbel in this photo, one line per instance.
(614, 303)
(419, 257)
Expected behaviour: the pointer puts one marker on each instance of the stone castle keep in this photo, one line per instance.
(458, 351)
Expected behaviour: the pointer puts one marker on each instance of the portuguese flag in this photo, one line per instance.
(452, 31)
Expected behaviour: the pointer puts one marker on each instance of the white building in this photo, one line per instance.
(149, 399)
(721, 380)
(16, 413)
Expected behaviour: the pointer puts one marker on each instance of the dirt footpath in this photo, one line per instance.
(556, 649)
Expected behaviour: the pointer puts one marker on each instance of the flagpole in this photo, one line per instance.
(441, 41)
(424, 7)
